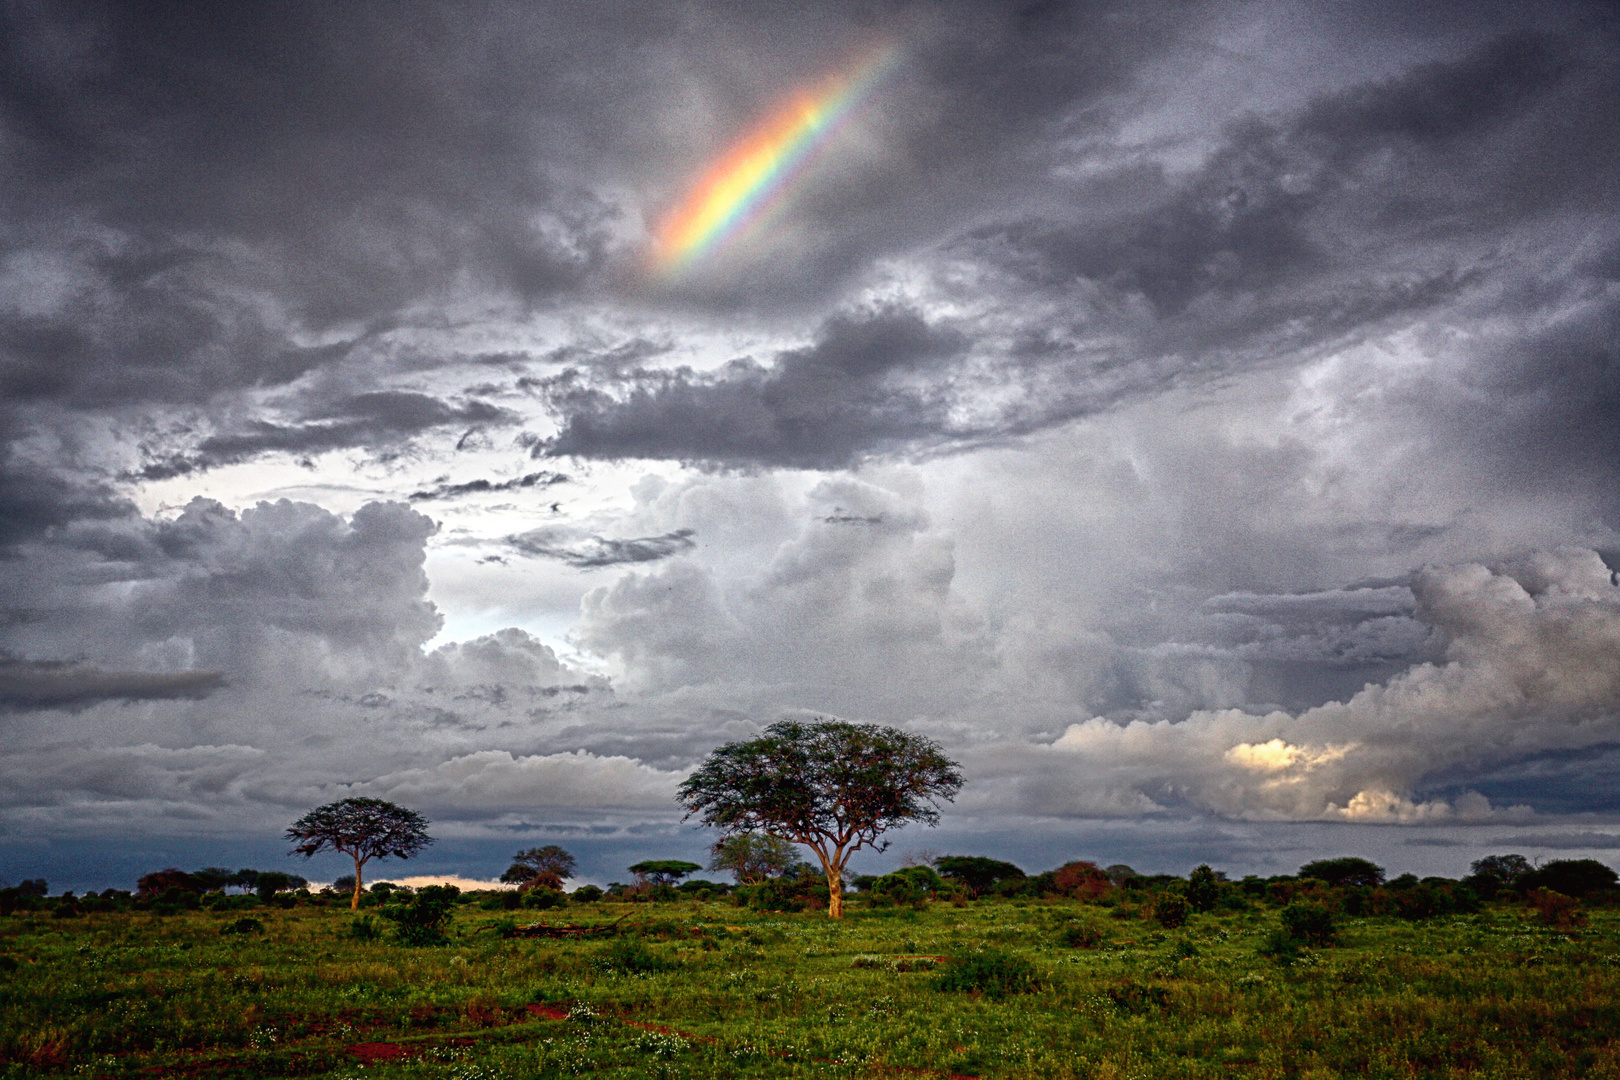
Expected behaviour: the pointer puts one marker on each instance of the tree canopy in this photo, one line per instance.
(1572, 877)
(1344, 871)
(664, 871)
(540, 868)
(833, 786)
(752, 856)
(1505, 870)
(976, 873)
(363, 829)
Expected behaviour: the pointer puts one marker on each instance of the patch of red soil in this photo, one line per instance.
(369, 1053)
(549, 1012)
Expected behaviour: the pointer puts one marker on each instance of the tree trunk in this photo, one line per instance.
(834, 866)
(354, 901)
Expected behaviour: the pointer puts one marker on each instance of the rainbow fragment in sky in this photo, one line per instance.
(755, 172)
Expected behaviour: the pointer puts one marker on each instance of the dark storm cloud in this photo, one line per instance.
(1364, 208)
(862, 385)
(595, 552)
(480, 486)
(45, 685)
(34, 502)
(372, 421)
(188, 192)
(194, 188)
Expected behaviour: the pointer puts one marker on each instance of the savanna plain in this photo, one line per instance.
(1263, 985)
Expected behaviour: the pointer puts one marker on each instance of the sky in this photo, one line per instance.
(1200, 419)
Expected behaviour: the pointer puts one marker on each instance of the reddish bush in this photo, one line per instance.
(1081, 880)
(1556, 909)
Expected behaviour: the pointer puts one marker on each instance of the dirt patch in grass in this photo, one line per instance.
(373, 1052)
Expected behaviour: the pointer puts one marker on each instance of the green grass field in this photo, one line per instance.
(694, 989)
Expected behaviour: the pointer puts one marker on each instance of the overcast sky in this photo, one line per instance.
(1202, 419)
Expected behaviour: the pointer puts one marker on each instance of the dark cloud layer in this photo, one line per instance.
(58, 685)
(1379, 204)
(595, 552)
(480, 486)
(374, 421)
(857, 389)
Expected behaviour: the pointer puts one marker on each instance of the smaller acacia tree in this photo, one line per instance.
(540, 868)
(751, 856)
(663, 871)
(833, 786)
(1344, 871)
(363, 829)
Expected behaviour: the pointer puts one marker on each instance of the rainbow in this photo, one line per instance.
(751, 177)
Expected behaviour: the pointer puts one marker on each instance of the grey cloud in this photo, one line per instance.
(34, 502)
(595, 552)
(373, 420)
(480, 486)
(55, 685)
(280, 591)
(1529, 675)
(860, 387)
(1300, 232)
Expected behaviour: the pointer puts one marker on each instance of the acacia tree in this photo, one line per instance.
(663, 871)
(832, 786)
(541, 867)
(363, 829)
(751, 856)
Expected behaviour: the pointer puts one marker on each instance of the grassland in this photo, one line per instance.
(693, 989)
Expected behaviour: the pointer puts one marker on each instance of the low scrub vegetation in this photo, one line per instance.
(993, 975)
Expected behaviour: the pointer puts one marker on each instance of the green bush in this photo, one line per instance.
(363, 929)
(423, 919)
(1203, 889)
(1081, 936)
(244, 925)
(543, 899)
(1170, 911)
(993, 974)
(1279, 944)
(1134, 997)
(633, 956)
(1309, 923)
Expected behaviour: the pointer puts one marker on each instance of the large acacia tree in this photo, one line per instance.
(540, 868)
(363, 829)
(832, 786)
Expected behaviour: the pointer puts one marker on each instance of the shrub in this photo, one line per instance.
(1131, 996)
(586, 894)
(993, 974)
(1081, 880)
(1203, 889)
(1309, 923)
(1556, 909)
(1081, 936)
(1170, 911)
(363, 929)
(244, 925)
(423, 919)
(911, 885)
(630, 955)
(1279, 944)
(541, 899)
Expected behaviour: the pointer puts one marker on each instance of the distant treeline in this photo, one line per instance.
(1352, 885)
